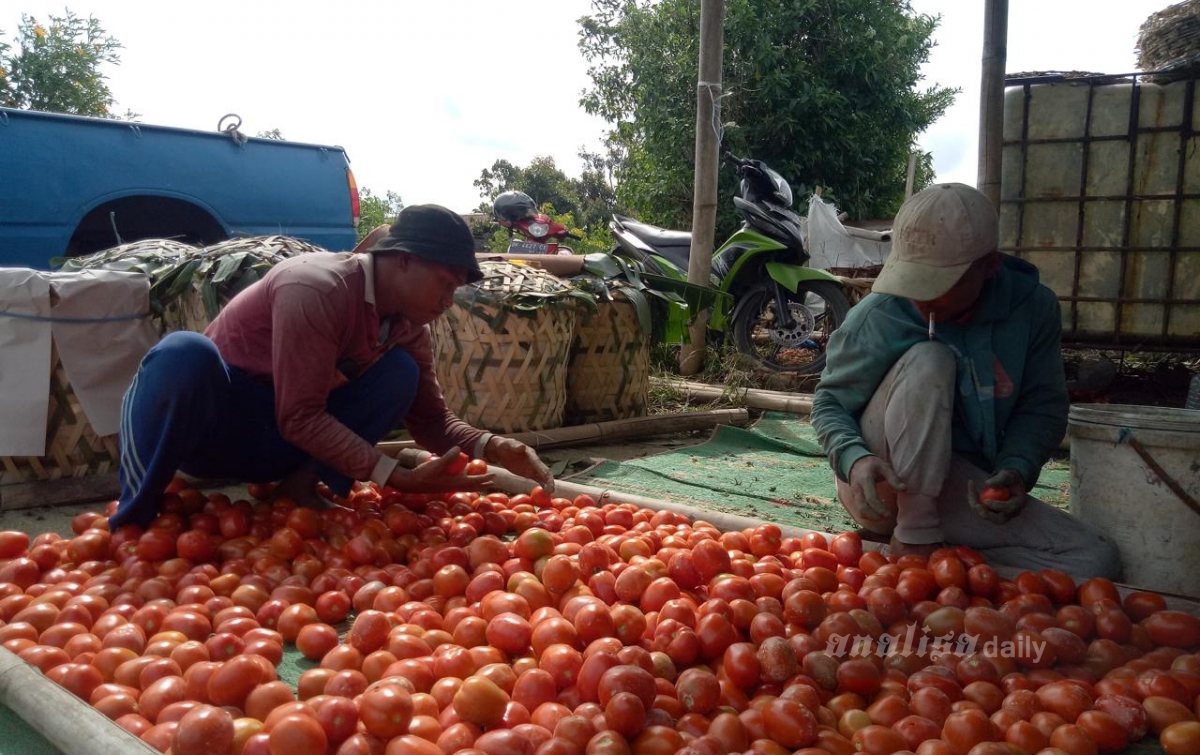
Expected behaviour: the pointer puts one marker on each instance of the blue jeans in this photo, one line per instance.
(189, 410)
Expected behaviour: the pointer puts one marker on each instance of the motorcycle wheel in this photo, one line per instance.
(818, 308)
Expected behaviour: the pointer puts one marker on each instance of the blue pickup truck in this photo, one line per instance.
(71, 185)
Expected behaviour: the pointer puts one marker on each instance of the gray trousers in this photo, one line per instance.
(907, 424)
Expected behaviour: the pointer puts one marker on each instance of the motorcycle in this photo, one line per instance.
(780, 311)
(516, 212)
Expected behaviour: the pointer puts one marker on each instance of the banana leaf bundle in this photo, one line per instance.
(188, 284)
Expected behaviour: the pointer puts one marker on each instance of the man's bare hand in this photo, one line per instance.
(433, 476)
(866, 473)
(1003, 496)
(521, 460)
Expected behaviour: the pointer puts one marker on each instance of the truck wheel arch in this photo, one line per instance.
(118, 220)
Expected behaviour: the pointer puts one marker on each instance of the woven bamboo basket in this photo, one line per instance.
(608, 374)
(73, 449)
(501, 350)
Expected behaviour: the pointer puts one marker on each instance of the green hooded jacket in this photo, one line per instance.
(1010, 408)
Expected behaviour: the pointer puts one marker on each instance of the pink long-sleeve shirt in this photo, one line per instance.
(309, 326)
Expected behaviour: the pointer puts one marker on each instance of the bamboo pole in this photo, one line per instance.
(634, 427)
(704, 182)
(755, 398)
(67, 722)
(991, 98)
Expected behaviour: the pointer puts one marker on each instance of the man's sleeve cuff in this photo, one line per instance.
(481, 446)
(845, 460)
(1029, 473)
(383, 470)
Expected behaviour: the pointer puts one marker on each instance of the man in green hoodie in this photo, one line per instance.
(944, 395)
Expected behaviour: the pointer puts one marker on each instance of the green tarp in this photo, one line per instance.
(773, 470)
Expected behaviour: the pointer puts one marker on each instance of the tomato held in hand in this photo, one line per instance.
(994, 494)
(458, 464)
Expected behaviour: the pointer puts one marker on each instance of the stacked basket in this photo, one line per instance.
(608, 376)
(501, 351)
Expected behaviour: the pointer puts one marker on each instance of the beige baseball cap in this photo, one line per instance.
(936, 236)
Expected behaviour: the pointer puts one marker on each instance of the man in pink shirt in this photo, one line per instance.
(306, 370)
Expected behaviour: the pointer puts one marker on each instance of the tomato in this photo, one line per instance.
(204, 730)
(1026, 736)
(965, 729)
(1097, 589)
(1161, 712)
(1174, 628)
(298, 734)
(233, 680)
(847, 548)
(994, 494)
(1073, 740)
(1109, 735)
(1066, 698)
(789, 723)
(1182, 738)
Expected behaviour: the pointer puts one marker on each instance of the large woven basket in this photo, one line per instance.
(608, 375)
(73, 449)
(501, 350)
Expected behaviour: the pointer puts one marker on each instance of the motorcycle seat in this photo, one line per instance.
(655, 236)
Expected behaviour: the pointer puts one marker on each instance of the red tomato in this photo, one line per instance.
(995, 494)
(1174, 628)
(1181, 738)
(298, 734)
(1073, 740)
(458, 464)
(204, 730)
(1161, 712)
(965, 729)
(1109, 735)
(1097, 589)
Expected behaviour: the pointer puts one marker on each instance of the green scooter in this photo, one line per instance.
(779, 311)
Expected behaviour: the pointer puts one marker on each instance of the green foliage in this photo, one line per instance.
(56, 66)
(828, 93)
(376, 211)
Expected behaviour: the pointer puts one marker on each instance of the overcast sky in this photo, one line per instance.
(425, 95)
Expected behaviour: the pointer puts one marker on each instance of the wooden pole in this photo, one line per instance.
(708, 141)
(755, 398)
(911, 176)
(991, 98)
(67, 722)
(634, 427)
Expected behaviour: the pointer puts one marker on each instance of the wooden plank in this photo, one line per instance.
(61, 492)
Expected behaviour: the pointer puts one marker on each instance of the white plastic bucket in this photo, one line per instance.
(1118, 490)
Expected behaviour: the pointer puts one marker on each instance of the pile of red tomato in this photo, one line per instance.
(530, 625)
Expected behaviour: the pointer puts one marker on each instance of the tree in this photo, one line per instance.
(542, 181)
(56, 66)
(376, 211)
(825, 92)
